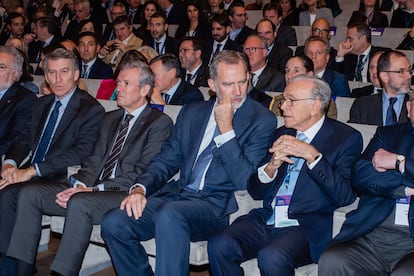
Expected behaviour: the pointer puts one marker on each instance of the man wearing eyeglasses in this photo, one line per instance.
(285, 34)
(389, 107)
(377, 238)
(306, 177)
(189, 54)
(238, 17)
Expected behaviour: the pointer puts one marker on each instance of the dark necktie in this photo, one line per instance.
(201, 165)
(157, 47)
(166, 97)
(189, 77)
(117, 147)
(42, 45)
(358, 69)
(218, 47)
(47, 134)
(391, 117)
(84, 71)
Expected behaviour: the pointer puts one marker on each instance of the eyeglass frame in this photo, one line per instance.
(400, 71)
(252, 49)
(290, 102)
(327, 31)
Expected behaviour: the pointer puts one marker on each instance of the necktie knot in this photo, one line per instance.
(127, 119)
(301, 136)
(84, 71)
(189, 77)
(157, 47)
(393, 100)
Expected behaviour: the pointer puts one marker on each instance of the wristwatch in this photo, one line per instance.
(400, 158)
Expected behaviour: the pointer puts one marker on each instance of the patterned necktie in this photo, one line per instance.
(358, 69)
(116, 149)
(84, 71)
(47, 134)
(391, 117)
(201, 164)
(166, 97)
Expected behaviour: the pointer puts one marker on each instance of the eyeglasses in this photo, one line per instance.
(290, 102)
(252, 49)
(320, 31)
(184, 50)
(241, 14)
(401, 71)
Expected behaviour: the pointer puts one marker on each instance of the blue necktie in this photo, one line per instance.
(47, 135)
(201, 165)
(84, 71)
(391, 117)
(360, 66)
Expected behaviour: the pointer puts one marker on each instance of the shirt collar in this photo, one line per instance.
(195, 70)
(313, 130)
(172, 90)
(65, 100)
(90, 63)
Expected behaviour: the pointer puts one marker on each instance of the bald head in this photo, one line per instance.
(321, 27)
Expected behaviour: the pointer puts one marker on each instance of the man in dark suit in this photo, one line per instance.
(317, 49)
(377, 237)
(46, 34)
(388, 107)
(305, 180)
(16, 102)
(91, 66)
(220, 28)
(190, 52)
(118, 9)
(107, 170)
(161, 42)
(277, 54)
(62, 132)
(285, 34)
(264, 77)
(238, 17)
(376, 86)
(169, 87)
(82, 12)
(174, 11)
(216, 145)
(134, 11)
(353, 55)
(14, 27)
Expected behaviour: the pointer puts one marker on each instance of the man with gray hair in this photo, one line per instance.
(306, 177)
(62, 131)
(15, 101)
(215, 145)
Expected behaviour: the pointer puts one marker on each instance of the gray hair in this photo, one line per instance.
(18, 59)
(228, 57)
(145, 77)
(61, 53)
(320, 90)
(324, 41)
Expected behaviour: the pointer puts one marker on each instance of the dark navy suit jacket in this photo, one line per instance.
(338, 83)
(15, 111)
(232, 163)
(378, 189)
(99, 70)
(318, 192)
(208, 49)
(186, 93)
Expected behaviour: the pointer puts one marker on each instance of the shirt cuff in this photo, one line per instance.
(339, 59)
(76, 182)
(224, 138)
(315, 162)
(137, 185)
(37, 169)
(10, 162)
(101, 187)
(263, 177)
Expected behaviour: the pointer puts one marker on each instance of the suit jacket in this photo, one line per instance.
(278, 57)
(286, 35)
(379, 190)
(337, 82)
(35, 46)
(15, 111)
(368, 110)
(232, 162)
(109, 29)
(145, 139)
(379, 19)
(202, 76)
(186, 93)
(171, 45)
(401, 19)
(208, 50)
(242, 36)
(271, 80)
(304, 16)
(73, 139)
(133, 44)
(99, 70)
(260, 97)
(362, 91)
(300, 51)
(348, 65)
(177, 14)
(318, 192)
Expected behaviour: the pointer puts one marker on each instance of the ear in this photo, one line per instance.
(383, 76)
(409, 105)
(316, 107)
(145, 90)
(211, 85)
(76, 75)
(227, 29)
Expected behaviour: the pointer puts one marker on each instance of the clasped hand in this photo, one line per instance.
(11, 175)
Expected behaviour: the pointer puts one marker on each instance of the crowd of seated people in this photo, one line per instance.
(303, 171)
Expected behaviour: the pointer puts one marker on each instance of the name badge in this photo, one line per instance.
(401, 211)
(281, 213)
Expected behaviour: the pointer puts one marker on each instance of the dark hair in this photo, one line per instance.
(169, 62)
(362, 7)
(384, 61)
(160, 14)
(197, 42)
(149, 2)
(273, 6)
(221, 19)
(94, 35)
(362, 29)
(49, 23)
(235, 3)
(306, 61)
(270, 22)
(96, 27)
(14, 15)
(123, 19)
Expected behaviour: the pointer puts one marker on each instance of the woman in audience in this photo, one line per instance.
(18, 43)
(369, 13)
(148, 52)
(295, 66)
(195, 24)
(290, 13)
(314, 9)
(143, 32)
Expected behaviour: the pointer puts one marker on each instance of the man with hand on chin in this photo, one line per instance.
(215, 145)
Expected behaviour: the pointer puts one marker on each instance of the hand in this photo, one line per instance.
(384, 160)
(14, 175)
(105, 50)
(120, 46)
(344, 48)
(156, 97)
(29, 37)
(63, 197)
(411, 32)
(223, 113)
(410, 191)
(135, 203)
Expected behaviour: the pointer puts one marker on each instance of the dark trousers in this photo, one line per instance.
(278, 250)
(84, 209)
(359, 257)
(174, 220)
